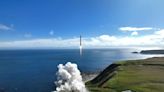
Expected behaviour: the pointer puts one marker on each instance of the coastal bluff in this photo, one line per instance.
(152, 52)
(144, 75)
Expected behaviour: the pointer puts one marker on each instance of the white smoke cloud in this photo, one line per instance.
(69, 79)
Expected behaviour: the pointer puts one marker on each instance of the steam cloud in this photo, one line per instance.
(69, 79)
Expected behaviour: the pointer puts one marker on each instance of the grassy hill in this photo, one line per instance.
(136, 75)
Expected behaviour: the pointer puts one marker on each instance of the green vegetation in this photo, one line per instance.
(136, 75)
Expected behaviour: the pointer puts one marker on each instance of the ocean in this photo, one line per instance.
(35, 70)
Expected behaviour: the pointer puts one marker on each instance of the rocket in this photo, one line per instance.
(80, 41)
(80, 46)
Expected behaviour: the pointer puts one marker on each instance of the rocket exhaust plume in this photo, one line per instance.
(69, 79)
(80, 46)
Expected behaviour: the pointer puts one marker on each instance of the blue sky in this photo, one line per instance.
(24, 21)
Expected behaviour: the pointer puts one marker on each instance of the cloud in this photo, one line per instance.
(51, 32)
(155, 39)
(160, 32)
(42, 43)
(28, 35)
(134, 33)
(135, 30)
(5, 27)
(132, 29)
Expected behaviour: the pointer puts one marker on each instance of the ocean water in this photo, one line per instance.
(35, 70)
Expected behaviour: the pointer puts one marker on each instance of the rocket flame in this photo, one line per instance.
(80, 50)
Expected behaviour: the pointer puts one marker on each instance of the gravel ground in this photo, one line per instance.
(88, 76)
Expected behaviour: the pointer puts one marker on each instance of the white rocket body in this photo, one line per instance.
(80, 46)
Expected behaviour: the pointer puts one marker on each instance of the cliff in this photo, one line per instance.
(152, 52)
(136, 75)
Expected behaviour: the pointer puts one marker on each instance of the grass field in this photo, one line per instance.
(136, 75)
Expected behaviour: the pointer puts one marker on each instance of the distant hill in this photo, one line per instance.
(145, 75)
(152, 52)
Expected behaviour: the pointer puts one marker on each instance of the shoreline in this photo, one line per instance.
(125, 75)
(88, 76)
(152, 51)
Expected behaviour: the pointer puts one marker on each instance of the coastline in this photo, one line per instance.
(132, 75)
(152, 52)
(89, 76)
